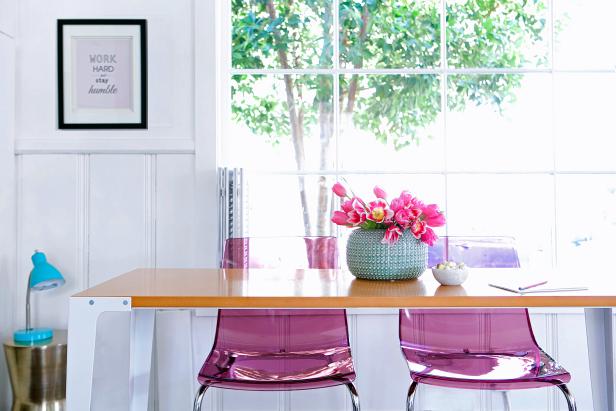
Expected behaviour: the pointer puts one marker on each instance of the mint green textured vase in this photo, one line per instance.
(369, 259)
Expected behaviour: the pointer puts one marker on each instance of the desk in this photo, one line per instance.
(143, 291)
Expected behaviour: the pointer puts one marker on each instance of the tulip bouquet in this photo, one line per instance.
(402, 213)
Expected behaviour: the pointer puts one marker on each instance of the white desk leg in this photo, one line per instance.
(600, 357)
(141, 340)
(82, 320)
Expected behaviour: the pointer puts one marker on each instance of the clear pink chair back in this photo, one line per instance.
(480, 252)
(281, 252)
(475, 348)
(280, 349)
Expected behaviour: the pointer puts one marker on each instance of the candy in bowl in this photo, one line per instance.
(450, 273)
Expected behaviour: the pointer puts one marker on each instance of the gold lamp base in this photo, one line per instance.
(38, 373)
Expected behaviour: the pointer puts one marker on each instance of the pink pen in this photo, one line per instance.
(531, 286)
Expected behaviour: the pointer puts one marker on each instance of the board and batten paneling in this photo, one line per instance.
(176, 246)
(49, 220)
(120, 239)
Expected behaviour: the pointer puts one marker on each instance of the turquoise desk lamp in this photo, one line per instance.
(43, 276)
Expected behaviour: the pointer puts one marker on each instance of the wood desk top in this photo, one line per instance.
(268, 288)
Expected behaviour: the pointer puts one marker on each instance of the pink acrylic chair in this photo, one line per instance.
(279, 349)
(489, 349)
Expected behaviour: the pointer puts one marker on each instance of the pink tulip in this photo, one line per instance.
(433, 216)
(339, 190)
(355, 218)
(417, 203)
(429, 237)
(407, 199)
(358, 205)
(392, 235)
(357, 215)
(379, 192)
(340, 218)
(403, 217)
(347, 205)
(403, 212)
(397, 204)
(418, 228)
(379, 212)
(415, 212)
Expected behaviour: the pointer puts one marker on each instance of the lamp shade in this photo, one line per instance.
(44, 276)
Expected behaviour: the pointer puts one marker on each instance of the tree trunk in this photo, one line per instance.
(326, 124)
(326, 121)
(353, 85)
(296, 121)
(347, 111)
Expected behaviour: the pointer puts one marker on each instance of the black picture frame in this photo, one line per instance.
(142, 121)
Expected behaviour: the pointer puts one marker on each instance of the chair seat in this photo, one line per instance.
(489, 371)
(283, 371)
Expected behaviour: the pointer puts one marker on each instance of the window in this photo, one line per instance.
(499, 111)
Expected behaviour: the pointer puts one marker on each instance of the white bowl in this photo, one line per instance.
(450, 276)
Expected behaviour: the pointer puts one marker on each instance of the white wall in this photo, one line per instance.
(103, 202)
(7, 185)
(7, 17)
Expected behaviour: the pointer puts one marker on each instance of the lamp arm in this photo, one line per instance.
(28, 325)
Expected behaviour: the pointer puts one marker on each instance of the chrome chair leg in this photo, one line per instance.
(410, 396)
(354, 395)
(506, 402)
(568, 397)
(199, 397)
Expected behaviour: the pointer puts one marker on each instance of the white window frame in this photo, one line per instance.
(444, 71)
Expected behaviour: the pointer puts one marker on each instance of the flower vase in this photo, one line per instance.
(368, 258)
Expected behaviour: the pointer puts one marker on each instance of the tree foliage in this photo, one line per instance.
(384, 34)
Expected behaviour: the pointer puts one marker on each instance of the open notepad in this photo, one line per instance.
(546, 288)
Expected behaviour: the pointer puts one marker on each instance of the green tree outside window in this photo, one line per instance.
(376, 34)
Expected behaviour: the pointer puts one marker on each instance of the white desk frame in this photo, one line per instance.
(85, 311)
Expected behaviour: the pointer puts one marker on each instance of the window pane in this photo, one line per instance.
(281, 123)
(287, 205)
(512, 33)
(584, 34)
(282, 34)
(499, 122)
(391, 122)
(520, 206)
(390, 34)
(585, 128)
(586, 218)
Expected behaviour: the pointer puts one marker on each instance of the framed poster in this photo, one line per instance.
(102, 74)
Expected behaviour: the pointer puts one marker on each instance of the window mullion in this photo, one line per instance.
(336, 82)
(416, 71)
(444, 80)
